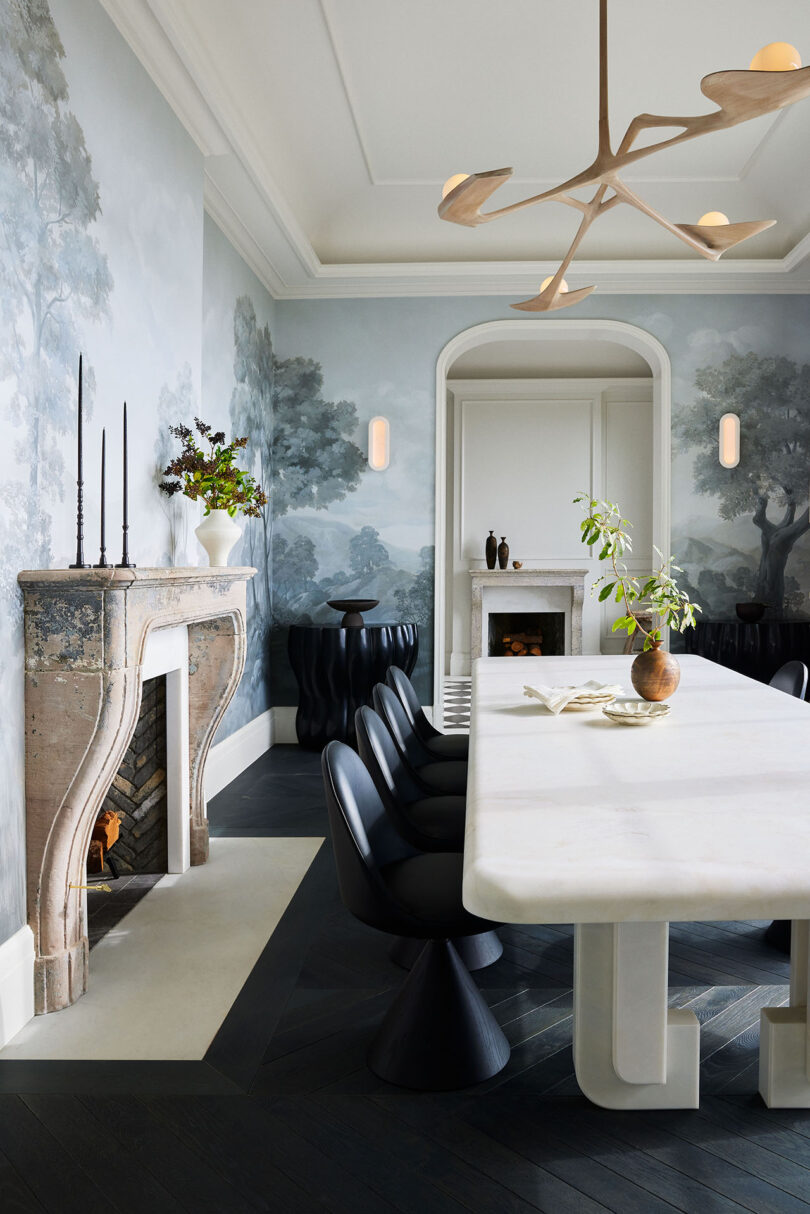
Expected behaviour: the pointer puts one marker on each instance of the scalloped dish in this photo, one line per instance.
(635, 712)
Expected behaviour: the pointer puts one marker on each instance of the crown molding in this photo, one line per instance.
(264, 230)
(141, 30)
(235, 231)
(771, 277)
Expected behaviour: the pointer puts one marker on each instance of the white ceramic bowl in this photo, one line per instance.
(635, 712)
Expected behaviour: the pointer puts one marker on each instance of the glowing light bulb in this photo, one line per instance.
(452, 182)
(776, 57)
(379, 444)
(546, 281)
(712, 219)
(729, 440)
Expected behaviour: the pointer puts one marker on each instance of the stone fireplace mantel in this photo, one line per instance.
(488, 584)
(86, 635)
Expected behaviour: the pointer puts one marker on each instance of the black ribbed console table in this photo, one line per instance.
(757, 650)
(336, 669)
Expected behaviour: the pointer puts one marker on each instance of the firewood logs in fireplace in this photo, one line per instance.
(105, 833)
(522, 644)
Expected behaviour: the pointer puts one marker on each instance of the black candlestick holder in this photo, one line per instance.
(103, 563)
(80, 562)
(125, 562)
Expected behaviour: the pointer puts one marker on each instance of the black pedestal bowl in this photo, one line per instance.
(749, 613)
(352, 608)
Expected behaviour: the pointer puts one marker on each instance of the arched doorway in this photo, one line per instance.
(619, 333)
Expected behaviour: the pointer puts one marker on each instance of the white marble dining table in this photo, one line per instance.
(703, 815)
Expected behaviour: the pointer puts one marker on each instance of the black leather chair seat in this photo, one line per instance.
(449, 746)
(440, 818)
(447, 777)
(430, 887)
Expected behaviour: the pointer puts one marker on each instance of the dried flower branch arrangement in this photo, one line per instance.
(213, 477)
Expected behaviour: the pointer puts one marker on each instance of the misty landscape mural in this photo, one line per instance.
(765, 498)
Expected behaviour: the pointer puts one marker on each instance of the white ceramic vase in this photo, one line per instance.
(217, 533)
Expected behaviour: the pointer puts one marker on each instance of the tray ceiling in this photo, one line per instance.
(330, 125)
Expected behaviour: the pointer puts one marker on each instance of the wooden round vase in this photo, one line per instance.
(655, 674)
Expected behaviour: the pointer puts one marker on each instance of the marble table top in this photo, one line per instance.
(705, 815)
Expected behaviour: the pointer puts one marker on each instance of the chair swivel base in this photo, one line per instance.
(438, 1035)
(476, 952)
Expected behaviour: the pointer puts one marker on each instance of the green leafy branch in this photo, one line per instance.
(605, 526)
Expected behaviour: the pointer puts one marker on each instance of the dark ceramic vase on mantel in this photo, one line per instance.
(503, 553)
(491, 550)
(655, 674)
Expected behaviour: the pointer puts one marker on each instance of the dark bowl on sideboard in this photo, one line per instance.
(749, 613)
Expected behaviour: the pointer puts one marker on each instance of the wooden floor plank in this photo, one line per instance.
(16, 1196)
(57, 1181)
(653, 1136)
(553, 1137)
(85, 1139)
(502, 1163)
(366, 1155)
(188, 1175)
(260, 1157)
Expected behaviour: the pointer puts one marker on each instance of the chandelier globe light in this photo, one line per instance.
(776, 57)
(712, 219)
(775, 79)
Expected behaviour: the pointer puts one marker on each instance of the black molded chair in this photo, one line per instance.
(439, 1033)
(442, 745)
(430, 823)
(446, 776)
(791, 678)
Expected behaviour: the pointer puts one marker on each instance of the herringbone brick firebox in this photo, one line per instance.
(138, 792)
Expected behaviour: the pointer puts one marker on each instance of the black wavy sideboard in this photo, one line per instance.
(336, 669)
(757, 650)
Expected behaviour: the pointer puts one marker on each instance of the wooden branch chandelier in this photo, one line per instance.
(774, 79)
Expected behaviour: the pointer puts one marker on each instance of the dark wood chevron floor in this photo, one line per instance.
(283, 1115)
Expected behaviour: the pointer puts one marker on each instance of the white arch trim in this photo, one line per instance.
(530, 329)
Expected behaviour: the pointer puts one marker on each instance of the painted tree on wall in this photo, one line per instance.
(366, 551)
(305, 458)
(772, 398)
(52, 271)
(316, 463)
(416, 602)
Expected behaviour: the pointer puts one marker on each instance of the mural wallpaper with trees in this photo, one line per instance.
(83, 266)
(308, 456)
(769, 487)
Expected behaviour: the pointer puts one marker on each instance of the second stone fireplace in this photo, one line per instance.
(526, 605)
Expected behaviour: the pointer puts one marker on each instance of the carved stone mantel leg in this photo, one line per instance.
(216, 659)
(85, 634)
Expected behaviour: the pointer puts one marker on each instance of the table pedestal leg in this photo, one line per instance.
(630, 1050)
(784, 1052)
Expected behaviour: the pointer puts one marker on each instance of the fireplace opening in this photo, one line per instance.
(138, 795)
(517, 634)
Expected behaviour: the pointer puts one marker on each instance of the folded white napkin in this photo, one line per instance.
(556, 698)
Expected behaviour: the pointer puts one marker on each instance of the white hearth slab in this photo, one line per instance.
(166, 976)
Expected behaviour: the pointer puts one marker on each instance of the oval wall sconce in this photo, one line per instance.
(379, 444)
(729, 440)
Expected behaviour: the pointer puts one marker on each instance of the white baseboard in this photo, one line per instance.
(229, 758)
(16, 983)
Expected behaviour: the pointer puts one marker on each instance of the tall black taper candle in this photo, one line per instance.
(125, 562)
(103, 563)
(80, 561)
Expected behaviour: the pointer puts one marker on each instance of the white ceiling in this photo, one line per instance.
(330, 125)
